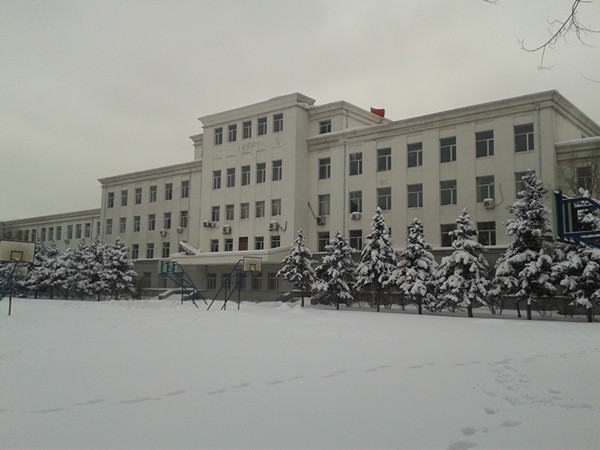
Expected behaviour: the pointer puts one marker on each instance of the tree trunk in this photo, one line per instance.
(302, 302)
(419, 307)
(588, 312)
(518, 308)
(529, 309)
(470, 310)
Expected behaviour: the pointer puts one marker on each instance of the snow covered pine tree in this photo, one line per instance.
(377, 260)
(118, 273)
(336, 275)
(297, 267)
(525, 268)
(414, 274)
(463, 275)
(578, 266)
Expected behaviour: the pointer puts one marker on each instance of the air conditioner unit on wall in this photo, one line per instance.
(180, 229)
(226, 229)
(320, 220)
(489, 203)
(208, 224)
(163, 232)
(355, 216)
(273, 226)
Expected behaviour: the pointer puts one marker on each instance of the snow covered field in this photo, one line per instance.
(157, 374)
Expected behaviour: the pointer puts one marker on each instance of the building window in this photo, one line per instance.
(261, 172)
(415, 154)
(43, 234)
(87, 231)
(58, 233)
(384, 159)
(215, 215)
(211, 281)
(70, 230)
(225, 280)
(218, 136)
(183, 219)
(167, 221)
(448, 149)
(231, 133)
(485, 188)
(151, 222)
(229, 212)
(110, 201)
(247, 130)
(276, 207)
(245, 175)
(415, 195)
(244, 210)
(123, 225)
(137, 224)
(231, 177)
(78, 231)
(185, 189)
(325, 126)
(260, 209)
(168, 191)
(275, 241)
(486, 233)
(384, 198)
(519, 183)
(262, 126)
(33, 235)
(124, 195)
(108, 226)
(256, 282)
(324, 205)
(135, 251)
(356, 163)
(355, 201)
(447, 238)
(214, 245)
(259, 243)
(323, 240)
(138, 196)
(228, 245)
(243, 243)
(150, 251)
(277, 123)
(153, 191)
(277, 170)
(584, 177)
(166, 249)
(273, 281)
(448, 192)
(484, 144)
(324, 168)
(524, 137)
(216, 179)
(356, 239)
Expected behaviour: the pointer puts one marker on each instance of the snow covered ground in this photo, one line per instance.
(157, 374)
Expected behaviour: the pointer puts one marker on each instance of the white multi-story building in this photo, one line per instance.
(263, 171)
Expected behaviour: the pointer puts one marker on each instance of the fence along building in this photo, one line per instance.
(261, 172)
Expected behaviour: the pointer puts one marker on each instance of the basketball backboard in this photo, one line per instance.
(17, 251)
(252, 264)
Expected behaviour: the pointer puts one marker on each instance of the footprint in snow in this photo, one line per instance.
(461, 445)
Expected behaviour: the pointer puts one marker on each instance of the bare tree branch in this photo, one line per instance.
(571, 25)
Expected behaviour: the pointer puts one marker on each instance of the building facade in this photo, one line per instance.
(263, 171)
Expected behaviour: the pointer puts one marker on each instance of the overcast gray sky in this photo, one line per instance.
(91, 89)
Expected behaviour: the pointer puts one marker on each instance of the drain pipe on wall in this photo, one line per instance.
(539, 139)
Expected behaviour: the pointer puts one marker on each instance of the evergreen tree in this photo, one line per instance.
(377, 260)
(94, 279)
(118, 274)
(75, 264)
(297, 267)
(414, 274)
(463, 275)
(525, 268)
(578, 266)
(50, 279)
(336, 275)
(36, 273)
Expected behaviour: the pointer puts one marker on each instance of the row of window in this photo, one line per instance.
(260, 173)
(153, 194)
(255, 281)
(151, 222)
(484, 145)
(259, 210)
(77, 231)
(243, 243)
(261, 124)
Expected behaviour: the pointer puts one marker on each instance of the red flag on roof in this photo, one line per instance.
(379, 112)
